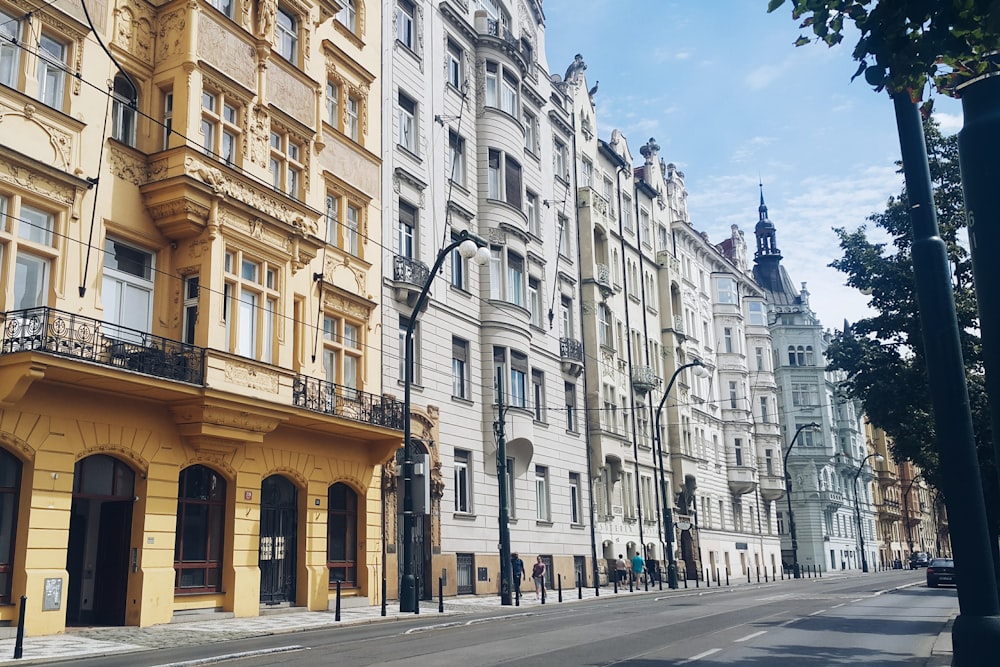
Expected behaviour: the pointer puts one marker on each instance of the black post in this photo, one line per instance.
(757, 567)
(384, 591)
(559, 585)
(631, 577)
(503, 520)
(820, 572)
(727, 576)
(749, 580)
(416, 596)
(543, 590)
(579, 587)
(19, 641)
(659, 580)
(645, 582)
(685, 578)
(336, 613)
(976, 632)
(697, 583)
(440, 595)
(616, 582)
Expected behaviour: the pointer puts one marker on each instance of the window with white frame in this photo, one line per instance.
(459, 367)
(454, 68)
(285, 163)
(343, 219)
(220, 127)
(608, 190)
(342, 352)
(759, 357)
(459, 268)
(575, 499)
(168, 117)
(727, 339)
(565, 244)
(127, 289)
(407, 123)
(535, 301)
(286, 31)
(32, 248)
(503, 178)
(456, 158)
(348, 15)
(512, 373)
(726, 288)
(250, 305)
(559, 160)
(192, 293)
(507, 276)
(604, 325)
(530, 123)
(628, 495)
(406, 230)
(11, 27)
(515, 279)
(463, 481)
(333, 104)
(124, 113)
(646, 488)
(765, 415)
(538, 394)
(542, 493)
(224, 6)
(586, 173)
(733, 398)
(533, 213)
(663, 237)
(805, 435)
(405, 12)
(53, 62)
(627, 222)
(610, 408)
(566, 316)
(570, 392)
(758, 313)
(645, 231)
(509, 95)
(497, 18)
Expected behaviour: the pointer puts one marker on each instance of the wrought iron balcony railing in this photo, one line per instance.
(572, 349)
(644, 379)
(409, 270)
(334, 399)
(56, 332)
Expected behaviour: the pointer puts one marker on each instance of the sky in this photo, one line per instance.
(732, 102)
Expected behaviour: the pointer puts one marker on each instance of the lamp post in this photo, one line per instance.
(668, 518)
(796, 570)
(906, 515)
(857, 506)
(469, 247)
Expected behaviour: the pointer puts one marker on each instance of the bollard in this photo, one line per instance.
(440, 595)
(708, 578)
(645, 582)
(416, 595)
(727, 576)
(659, 579)
(630, 583)
(820, 573)
(579, 587)
(758, 573)
(383, 593)
(336, 613)
(782, 572)
(749, 581)
(685, 579)
(774, 573)
(19, 642)
(697, 580)
(718, 579)
(765, 574)
(559, 584)
(616, 583)
(543, 590)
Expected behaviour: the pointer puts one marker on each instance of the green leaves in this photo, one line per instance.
(774, 4)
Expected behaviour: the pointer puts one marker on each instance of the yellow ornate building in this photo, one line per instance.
(191, 414)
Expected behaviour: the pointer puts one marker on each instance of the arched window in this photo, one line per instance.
(800, 356)
(791, 355)
(342, 535)
(810, 359)
(124, 110)
(201, 520)
(10, 487)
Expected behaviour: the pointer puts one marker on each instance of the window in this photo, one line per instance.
(287, 35)
(509, 99)
(348, 16)
(575, 499)
(566, 316)
(627, 223)
(191, 294)
(342, 535)
(628, 496)
(608, 189)
(769, 461)
(538, 394)
(459, 268)
(604, 325)
(123, 111)
(201, 520)
(53, 59)
(168, 118)
(10, 495)
(571, 406)
(564, 232)
(732, 395)
(333, 104)
(343, 230)
(463, 481)
(407, 123)
(542, 493)
(534, 215)
(512, 180)
(224, 6)
(646, 489)
(535, 301)
(286, 164)
(645, 234)
(759, 356)
(805, 435)
(31, 281)
(455, 57)
(250, 305)
(758, 313)
(493, 175)
(220, 130)
(456, 158)
(127, 290)
(518, 379)
(662, 238)
(515, 279)
(459, 368)
(498, 21)
(415, 366)
(530, 122)
(727, 338)
(406, 230)
(727, 290)
(351, 128)
(559, 160)
(586, 173)
(10, 51)
(342, 353)
(765, 417)
(492, 84)
(404, 23)
(503, 178)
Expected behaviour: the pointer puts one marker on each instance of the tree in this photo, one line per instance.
(883, 355)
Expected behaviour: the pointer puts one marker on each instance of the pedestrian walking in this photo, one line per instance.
(538, 576)
(638, 564)
(517, 570)
(621, 569)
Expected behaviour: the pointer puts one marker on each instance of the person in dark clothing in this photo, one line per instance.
(517, 571)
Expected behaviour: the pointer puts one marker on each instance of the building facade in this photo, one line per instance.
(478, 138)
(191, 417)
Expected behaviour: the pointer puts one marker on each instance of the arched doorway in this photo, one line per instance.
(10, 493)
(278, 521)
(100, 534)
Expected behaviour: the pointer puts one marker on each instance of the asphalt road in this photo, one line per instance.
(880, 619)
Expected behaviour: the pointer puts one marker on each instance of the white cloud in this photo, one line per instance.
(763, 76)
(748, 149)
(950, 123)
(682, 55)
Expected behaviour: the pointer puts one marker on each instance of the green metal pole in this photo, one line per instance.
(976, 633)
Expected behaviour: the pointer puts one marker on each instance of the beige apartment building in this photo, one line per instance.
(191, 417)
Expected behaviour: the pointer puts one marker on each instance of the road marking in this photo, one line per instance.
(857, 600)
(837, 605)
(694, 658)
(235, 656)
(437, 626)
(751, 636)
(817, 612)
(771, 598)
(788, 622)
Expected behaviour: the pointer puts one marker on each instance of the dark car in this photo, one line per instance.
(941, 571)
(919, 559)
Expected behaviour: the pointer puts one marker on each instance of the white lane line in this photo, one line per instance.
(817, 612)
(235, 656)
(837, 605)
(857, 600)
(751, 636)
(788, 622)
(695, 658)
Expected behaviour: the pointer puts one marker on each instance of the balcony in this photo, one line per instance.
(772, 487)
(603, 280)
(409, 277)
(890, 508)
(51, 331)
(571, 356)
(339, 401)
(741, 479)
(832, 499)
(885, 478)
(644, 379)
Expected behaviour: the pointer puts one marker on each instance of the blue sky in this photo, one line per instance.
(729, 99)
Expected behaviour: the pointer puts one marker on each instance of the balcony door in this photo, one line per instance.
(127, 291)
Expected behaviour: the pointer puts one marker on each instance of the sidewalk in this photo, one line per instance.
(93, 642)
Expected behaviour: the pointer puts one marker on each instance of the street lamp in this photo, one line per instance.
(796, 570)
(472, 247)
(857, 506)
(906, 515)
(668, 518)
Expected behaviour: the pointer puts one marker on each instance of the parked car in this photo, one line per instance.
(941, 571)
(919, 559)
